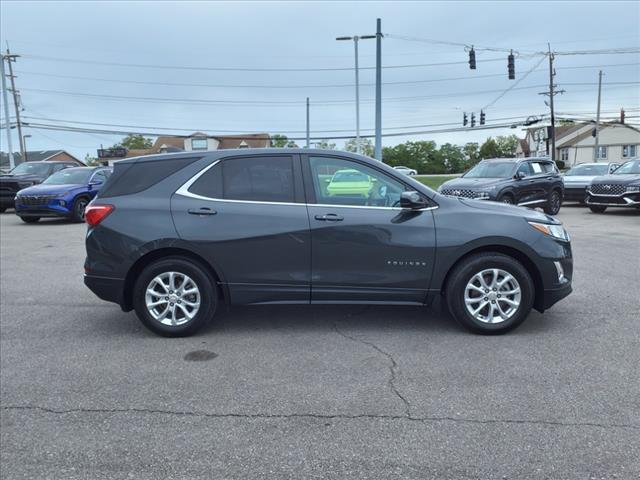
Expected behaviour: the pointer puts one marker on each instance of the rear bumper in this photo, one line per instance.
(105, 288)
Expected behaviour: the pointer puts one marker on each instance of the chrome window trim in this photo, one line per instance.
(184, 191)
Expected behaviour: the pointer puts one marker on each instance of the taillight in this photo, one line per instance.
(94, 214)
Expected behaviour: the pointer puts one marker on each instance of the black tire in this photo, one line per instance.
(79, 205)
(30, 219)
(554, 202)
(199, 275)
(508, 199)
(597, 208)
(3, 209)
(462, 275)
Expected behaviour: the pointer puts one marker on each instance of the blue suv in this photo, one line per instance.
(64, 194)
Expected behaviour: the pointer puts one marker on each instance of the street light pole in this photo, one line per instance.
(6, 112)
(378, 146)
(356, 39)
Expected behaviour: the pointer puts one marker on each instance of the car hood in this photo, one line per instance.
(49, 189)
(472, 183)
(513, 210)
(583, 179)
(617, 179)
(30, 177)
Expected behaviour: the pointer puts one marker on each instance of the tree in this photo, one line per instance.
(325, 145)
(132, 142)
(421, 156)
(489, 149)
(451, 158)
(282, 141)
(507, 145)
(366, 146)
(90, 161)
(471, 153)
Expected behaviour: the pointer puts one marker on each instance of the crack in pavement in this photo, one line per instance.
(392, 368)
(268, 416)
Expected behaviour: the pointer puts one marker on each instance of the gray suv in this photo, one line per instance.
(176, 236)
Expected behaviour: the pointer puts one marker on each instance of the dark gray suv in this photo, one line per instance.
(175, 236)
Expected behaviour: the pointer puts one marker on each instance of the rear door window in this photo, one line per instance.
(536, 167)
(258, 179)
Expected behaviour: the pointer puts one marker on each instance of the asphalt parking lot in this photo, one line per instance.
(318, 392)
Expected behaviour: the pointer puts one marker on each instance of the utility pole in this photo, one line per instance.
(553, 116)
(552, 93)
(378, 146)
(356, 39)
(12, 58)
(308, 122)
(595, 150)
(6, 112)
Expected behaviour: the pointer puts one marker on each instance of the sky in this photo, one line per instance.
(179, 67)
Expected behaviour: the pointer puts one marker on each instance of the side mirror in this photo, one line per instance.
(519, 175)
(412, 200)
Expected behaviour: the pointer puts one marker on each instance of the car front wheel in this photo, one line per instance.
(79, 207)
(490, 293)
(30, 219)
(553, 203)
(175, 297)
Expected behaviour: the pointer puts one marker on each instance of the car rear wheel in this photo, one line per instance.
(490, 293)
(2, 209)
(597, 208)
(79, 207)
(175, 297)
(30, 219)
(553, 203)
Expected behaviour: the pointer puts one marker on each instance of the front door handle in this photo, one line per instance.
(201, 211)
(329, 217)
(531, 181)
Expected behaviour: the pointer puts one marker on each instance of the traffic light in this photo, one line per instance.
(473, 120)
(464, 119)
(482, 117)
(511, 66)
(472, 59)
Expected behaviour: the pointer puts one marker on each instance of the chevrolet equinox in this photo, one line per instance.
(175, 236)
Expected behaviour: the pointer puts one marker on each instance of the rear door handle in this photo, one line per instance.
(201, 211)
(329, 217)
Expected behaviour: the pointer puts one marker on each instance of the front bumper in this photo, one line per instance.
(553, 296)
(7, 201)
(628, 199)
(574, 194)
(51, 209)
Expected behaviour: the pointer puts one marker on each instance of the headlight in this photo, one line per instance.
(555, 231)
(482, 195)
(633, 188)
(64, 194)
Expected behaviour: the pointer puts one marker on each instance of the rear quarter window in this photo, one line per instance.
(136, 177)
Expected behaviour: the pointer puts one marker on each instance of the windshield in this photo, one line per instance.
(629, 168)
(69, 176)
(350, 177)
(33, 168)
(491, 170)
(588, 170)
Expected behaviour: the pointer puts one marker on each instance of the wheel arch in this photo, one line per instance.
(150, 257)
(519, 255)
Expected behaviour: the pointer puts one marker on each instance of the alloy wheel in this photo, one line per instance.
(172, 298)
(492, 296)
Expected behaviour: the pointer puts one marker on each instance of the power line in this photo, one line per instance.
(243, 69)
(271, 103)
(514, 85)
